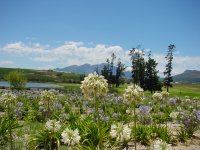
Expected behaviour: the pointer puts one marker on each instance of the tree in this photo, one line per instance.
(111, 77)
(151, 78)
(119, 72)
(109, 68)
(138, 66)
(17, 80)
(105, 70)
(96, 69)
(167, 73)
(82, 76)
(142, 66)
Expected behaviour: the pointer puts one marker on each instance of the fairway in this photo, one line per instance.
(182, 90)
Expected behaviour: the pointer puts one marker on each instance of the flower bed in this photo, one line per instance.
(98, 120)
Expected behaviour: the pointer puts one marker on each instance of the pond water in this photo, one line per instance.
(32, 85)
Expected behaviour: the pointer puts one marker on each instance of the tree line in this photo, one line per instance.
(144, 73)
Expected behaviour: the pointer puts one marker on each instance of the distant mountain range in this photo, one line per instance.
(188, 76)
(82, 69)
(87, 68)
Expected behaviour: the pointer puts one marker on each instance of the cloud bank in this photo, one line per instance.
(77, 53)
(180, 63)
(69, 53)
(6, 63)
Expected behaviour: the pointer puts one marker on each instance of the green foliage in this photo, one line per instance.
(108, 71)
(17, 80)
(7, 124)
(182, 134)
(151, 78)
(43, 75)
(138, 66)
(3, 131)
(144, 134)
(39, 78)
(44, 139)
(160, 117)
(161, 132)
(89, 132)
(5, 71)
(119, 72)
(73, 118)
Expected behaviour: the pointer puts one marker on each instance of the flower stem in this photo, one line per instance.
(135, 140)
(48, 113)
(96, 103)
(10, 128)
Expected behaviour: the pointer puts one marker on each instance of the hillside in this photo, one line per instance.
(82, 69)
(188, 76)
(43, 75)
(71, 74)
(87, 68)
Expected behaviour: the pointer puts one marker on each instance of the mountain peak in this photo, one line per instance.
(82, 69)
(190, 71)
(88, 68)
(188, 76)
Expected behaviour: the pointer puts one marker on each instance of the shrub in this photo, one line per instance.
(16, 79)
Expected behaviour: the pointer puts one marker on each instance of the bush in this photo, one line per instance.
(17, 80)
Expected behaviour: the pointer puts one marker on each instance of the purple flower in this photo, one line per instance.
(115, 115)
(57, 105)
(100, 111)
(63, 116)
(189, 120)
(198, 114)
(42, 109)
(144, 109)
(20, 104)
(106, 118)
(18, 112)
(172, 101)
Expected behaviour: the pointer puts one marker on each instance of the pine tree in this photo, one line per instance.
(105, 70)
(167, 73)
(111, 77)
(119, 72)
(108, 71)
(142, 66)
(138, 66)
(151, 78)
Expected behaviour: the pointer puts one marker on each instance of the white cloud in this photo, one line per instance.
(74, 53)
(6, 63)
(19, 48)
(179, 63)
(67, 53)
(74, 43)
(128, 68)
(77, 53)
(42, 59)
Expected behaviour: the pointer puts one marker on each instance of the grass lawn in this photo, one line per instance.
(180, 90)
(70, 86)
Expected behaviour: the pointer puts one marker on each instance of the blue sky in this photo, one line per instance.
(44, 34)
